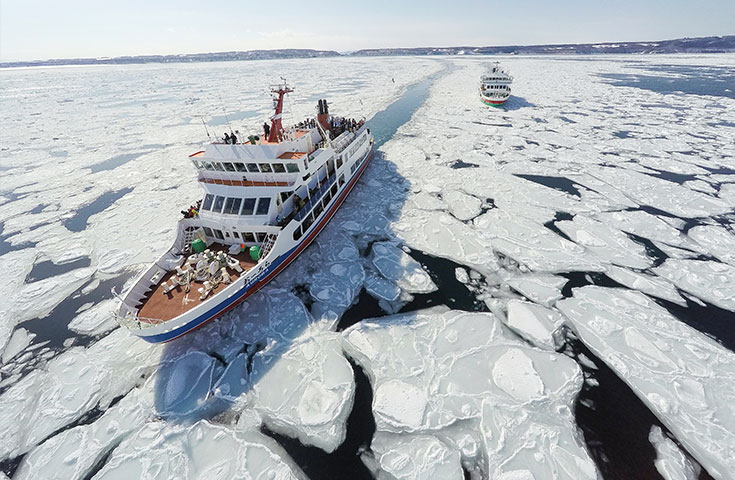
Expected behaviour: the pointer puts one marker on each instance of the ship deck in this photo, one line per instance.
(161, 306)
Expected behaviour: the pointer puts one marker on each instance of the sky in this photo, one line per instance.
(38, 30)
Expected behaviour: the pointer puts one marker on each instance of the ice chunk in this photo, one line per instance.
(537, 324)
(95, 320)
(716, 240)
(454, 384)
(381, 288)
(184, 385)
(686, 378)
(606, 243)
(307, 392)
(202, 450)
(713, 282)
(20, 339)
(73, 453)
(544, 289)
(416, 457)
(397, 266)
(462, 206)
(532, 244)
(513, 372)
(442, 235)
(670, 461)
(71, 384)
(649, 284)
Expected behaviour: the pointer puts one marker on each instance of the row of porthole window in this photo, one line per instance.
(236, 206)
(246, 167)
(247, 237)
(317, 210)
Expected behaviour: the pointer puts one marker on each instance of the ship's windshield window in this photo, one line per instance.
(253, 168)
(248, 206)
(232, 205)
(265, 168)
(278, 168)
(263, 206)
(208, 165)
(285, 195)
(240, 167)
(218, 234)
(235, 234)
(218, 166)
(196, 163)
(334, 189)
(318, 209)
(229, 167)
(327, 197)
(260, 236)
(297, 233)
(339, 161)
(292, 168)
(248, 237)
(342, 179)
(207, 205)
(208, 232)
(218, 203)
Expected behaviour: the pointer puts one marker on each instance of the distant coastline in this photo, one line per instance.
(724, 44)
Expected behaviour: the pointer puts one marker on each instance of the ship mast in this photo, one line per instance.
(276, 133)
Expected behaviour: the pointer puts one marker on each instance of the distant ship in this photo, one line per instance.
(495, 86)
(265, 200)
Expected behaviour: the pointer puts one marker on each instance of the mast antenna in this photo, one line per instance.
(227, 119)
(201, 117)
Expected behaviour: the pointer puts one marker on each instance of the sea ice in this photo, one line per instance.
(448, 375)
(398, 267)
(606, 243)
(539, 325)
(670, 461)
(73, 453)
(96, 320)
(461, 205)
(307, 392)
(202, 450)
(711, 281)
(716, 240)
(415, 457)
(20, 339)
(184, 384)
(686, 378)
(541, 288)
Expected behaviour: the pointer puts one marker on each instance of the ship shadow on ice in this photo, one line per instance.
(516, 103)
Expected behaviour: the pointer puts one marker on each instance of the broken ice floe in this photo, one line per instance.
(684, 377)
(539, 325)
(202, 450)
(710, 281)
(670, 461)
(453, 384)
(397, 266)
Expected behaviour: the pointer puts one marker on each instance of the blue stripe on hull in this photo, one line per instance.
(277, 265)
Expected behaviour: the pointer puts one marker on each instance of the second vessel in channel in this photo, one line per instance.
(264, 202)
(495, 86)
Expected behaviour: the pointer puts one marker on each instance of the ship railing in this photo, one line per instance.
(135, 322)
(315, 197)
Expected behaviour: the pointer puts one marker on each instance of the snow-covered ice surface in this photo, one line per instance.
(585, 177)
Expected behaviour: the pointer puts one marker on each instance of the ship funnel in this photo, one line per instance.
(323, 114)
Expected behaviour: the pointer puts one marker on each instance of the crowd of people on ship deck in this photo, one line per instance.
(192, 211)
(231, 138)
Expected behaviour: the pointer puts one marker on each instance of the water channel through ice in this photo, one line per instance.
(492, 273)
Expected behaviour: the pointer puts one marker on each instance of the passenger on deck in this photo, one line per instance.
(227, 138)
(267, 130)
(298, 201)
